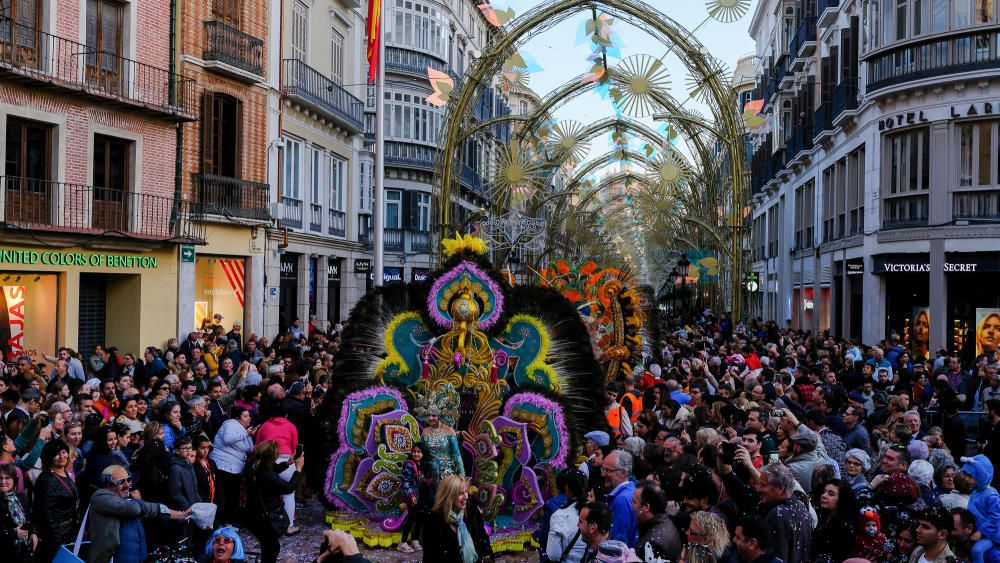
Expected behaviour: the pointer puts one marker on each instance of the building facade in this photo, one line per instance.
(875, 179)
(92, 215)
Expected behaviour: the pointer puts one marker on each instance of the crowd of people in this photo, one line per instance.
(167, 453)
(731, 442)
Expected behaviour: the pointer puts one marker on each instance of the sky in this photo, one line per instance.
(561, 52)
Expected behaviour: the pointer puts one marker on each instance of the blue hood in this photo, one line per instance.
(979, 467)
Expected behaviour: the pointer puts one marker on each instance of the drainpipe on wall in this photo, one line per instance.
(172, 93)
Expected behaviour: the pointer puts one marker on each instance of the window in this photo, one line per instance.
(843, 196)
(104, 38)
(27, 163)
(300, 31)
(907, 178)
(984, 11)
(423, 212)
(393, 209)
(963, 16)
(111, 182)
(977, 195)
(291, 183)
(228, 12)
(337, 57)
(939, 15)
(421, 27)
(856, 192)
(408, 117)
(366, 185)
(221, 135)
(338, 173)
(27, 17)
(315, 158)
(772, 231)
(805, 205)
(524, 107)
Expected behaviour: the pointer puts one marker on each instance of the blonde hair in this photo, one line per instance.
(266, 453)
(715, 531)
(707, 436)
(447, 492)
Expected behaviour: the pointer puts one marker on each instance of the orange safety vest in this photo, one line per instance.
(614, 417)
(636, 404)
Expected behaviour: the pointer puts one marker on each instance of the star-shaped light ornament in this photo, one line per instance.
(516, 79)
(442, 84)
(727, 11)
(566, 143)
(671, 170)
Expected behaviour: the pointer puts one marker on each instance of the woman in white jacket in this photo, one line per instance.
(232, 444)
(564, 543)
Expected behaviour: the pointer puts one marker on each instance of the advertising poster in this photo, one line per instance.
(13, 322)
(920, 332)
(28, 317)
(987, 331)
(219, 289)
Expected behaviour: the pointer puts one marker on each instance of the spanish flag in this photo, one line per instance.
(374, 36)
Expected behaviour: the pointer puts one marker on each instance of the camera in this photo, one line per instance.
(779, 413)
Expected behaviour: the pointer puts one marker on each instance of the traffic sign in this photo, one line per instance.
(187, 253)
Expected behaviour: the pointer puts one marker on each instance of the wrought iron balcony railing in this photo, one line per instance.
(414, 62)
(393, 241)
(230, 197)
(940, 56)
(845, 96)
(420, 241)
(233, 47)
(30, 203)
(47, 60)
(309, 86)
(338, 223)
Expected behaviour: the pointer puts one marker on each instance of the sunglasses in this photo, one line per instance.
(122, 481)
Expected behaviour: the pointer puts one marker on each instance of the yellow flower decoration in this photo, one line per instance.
(463, 244)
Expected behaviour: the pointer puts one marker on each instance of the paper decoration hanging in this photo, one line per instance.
(443, 86)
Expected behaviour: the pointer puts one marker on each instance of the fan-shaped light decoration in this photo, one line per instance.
(442, 85)
(751, 114)
(516, 166)
(494, 16)
(671, 169)
(516, 78)
(566, 143)
(727, 11)
(639, 77)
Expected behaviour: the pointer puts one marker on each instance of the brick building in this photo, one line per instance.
(90, 106)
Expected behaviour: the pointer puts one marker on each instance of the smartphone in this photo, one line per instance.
(299, 449)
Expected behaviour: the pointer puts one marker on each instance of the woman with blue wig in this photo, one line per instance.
(225, 546)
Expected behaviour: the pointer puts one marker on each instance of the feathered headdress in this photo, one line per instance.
(440, 399)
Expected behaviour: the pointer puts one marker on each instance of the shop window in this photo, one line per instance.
(29, 305)
(219, 288)
(221, 135)
(112, 179)
(907, 176)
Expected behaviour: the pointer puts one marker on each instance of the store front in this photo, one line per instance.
(363, 267)
(333, 289)
(220, 285)
(79, 297)
(392, 274)
(419, 274)
(288, 291)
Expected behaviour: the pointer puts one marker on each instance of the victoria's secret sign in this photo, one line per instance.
(954, 262)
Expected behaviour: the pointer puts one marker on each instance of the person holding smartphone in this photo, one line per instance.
(282, 431)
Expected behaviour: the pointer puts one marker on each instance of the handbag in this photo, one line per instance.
(64, 555)
(278, 519)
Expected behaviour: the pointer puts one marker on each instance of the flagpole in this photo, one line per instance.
(379, 208)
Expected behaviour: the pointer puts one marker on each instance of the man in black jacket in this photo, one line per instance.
(657, 534)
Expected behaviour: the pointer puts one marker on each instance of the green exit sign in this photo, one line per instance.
(187, 253)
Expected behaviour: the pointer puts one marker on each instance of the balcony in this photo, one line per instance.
(233, 52)
(393, 240)
(291, 212)
(306, 85)
(420, 241)
(845, 99)
(337, 224)
(414, 62)
(47, 61)
(230, 198)
(933, 58)
(976, 206)
(827, 12)
(410, 155)
(823, 122)
(76, 209)
(315, 218)
(470, 178)
(803, 44)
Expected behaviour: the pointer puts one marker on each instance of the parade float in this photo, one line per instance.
(509, 368)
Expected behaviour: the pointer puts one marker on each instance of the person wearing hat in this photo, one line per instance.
(872, 543)
(804, 458)
(115, 520)
(984, 504)
(593, 442)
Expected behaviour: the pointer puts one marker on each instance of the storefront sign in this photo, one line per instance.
(362, 265)
(333, 270)
(392, 274)
(289, 268)
(419, 274)
(64, 258)
(974, 110)
(855, 267)
(954, 262)
(908, 118)
(14, 304)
